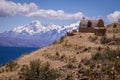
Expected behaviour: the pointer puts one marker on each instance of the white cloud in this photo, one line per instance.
(9, 8)
(114, 16)
(60, 14)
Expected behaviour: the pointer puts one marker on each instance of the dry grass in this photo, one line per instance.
(67, 50)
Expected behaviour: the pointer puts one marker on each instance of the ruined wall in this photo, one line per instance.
(89, 30)
(100, 32)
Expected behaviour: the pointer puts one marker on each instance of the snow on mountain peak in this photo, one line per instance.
(35, 30)
(39, 34)
(35, 22)
(30, 28)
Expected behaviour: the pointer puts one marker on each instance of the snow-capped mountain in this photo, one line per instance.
(37, 32)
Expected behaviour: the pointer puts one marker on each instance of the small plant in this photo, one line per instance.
(66, 44)
(59, 41)
(38, 71)
(114, 26)
(55, 42)
(105, 65)
(104, 40)
(79, 65)
(11, 66)
(87, 72)
(92, 38)
(77, 52)
(85, 49)
(2, 70)
(97, 56)
(74, 30)
(62, 39)
(86, 62)
(99, 48)
(70, 34)
(70, 66)
(57, 54)
(63, 56)
(72, 59)
(69, 77)
(77, 47)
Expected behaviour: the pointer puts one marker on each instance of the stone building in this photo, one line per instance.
(92, 26)
(118, 20)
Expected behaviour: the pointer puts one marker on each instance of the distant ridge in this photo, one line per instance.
(35, 34)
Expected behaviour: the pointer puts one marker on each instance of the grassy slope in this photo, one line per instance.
(65, 55)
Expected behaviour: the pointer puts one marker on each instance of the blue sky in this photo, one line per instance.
(15, 13)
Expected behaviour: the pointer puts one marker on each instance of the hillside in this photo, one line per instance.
(77, 56)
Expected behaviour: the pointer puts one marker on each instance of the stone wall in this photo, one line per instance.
(100, 32)
(87, 30)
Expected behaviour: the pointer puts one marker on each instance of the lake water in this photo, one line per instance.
(10, 53)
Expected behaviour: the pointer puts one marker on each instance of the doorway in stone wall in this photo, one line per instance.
(89, 24)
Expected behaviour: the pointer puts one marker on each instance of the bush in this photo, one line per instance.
(70, 65)
(74, 30)
(77, 47)
(63, 56)
(114, 26)
(62, 39)
(69, 77)
(104, 40)
(97, 56)
(11, 66)
(105, 65)
(59, 41)
(108, 55)
(57, 54)
(38, 71)
(70, 34)
(92, 38)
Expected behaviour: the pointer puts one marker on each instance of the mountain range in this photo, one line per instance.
(34, 34)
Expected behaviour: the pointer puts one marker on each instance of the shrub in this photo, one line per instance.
(72, 59)
(74, 30)
(62, 39)
(99, 48)
(66, 44)
(92, 38)
(57, 54)
(55, 42)
(104, 40)
(38, 71)
(77, 47)
(59, 41)
(108, 55)
(79, 65)
(70, 34)
(63, 56)
(104, 65)
(2, 70)
(69, 77)
(97, 56)
(77, 52)
(47, 73)
(70, 65)
(114, 26)
(87, 72)
(11, 66)
(86, 61)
